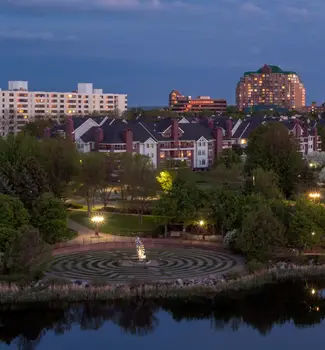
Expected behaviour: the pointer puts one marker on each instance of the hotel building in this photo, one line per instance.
(180, 103)
(270, 85)
(19, 106)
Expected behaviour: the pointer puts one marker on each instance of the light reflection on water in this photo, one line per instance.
(278, 316)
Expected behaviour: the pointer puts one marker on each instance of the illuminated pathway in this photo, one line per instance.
(166, 264)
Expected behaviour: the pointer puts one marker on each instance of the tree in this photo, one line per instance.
(229, 157)
(50, 217)
(270, 147)
(12, 212)
(28, 250)
(61, 161)
(21, 174)
(8, 237)
(306, 224)
(165, 179)
(226, 210)
(37, 128)
(321, 132)
(137, 178)
(261, 231)
(182, 204)
(265, 183)
(91, 177)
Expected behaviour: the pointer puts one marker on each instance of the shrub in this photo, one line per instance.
(50, 216)
(254, 266)
(230, 239)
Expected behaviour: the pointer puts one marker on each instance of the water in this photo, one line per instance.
(285, 316)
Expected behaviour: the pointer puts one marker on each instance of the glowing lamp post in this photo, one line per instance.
(97, 220)
(314, 196)
(201, 223)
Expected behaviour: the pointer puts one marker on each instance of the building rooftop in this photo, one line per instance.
(270, 69)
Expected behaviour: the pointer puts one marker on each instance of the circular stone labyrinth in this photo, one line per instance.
(169, 263)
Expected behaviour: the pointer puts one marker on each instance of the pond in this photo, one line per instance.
(284, 316)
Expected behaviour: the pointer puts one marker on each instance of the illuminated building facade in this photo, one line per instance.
(19, 106)
(270, 85)
(181, 104)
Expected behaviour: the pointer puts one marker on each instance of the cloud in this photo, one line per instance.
(100, 4)
(297, 12)
(17, 34)
(251, 9)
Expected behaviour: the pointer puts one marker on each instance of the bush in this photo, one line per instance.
(50, 216)
(28, 250)
(254, 266)
(230, 239)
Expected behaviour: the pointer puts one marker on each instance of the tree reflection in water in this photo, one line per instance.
(261, 310)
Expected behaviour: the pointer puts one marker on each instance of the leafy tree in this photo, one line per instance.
(50, 217)
(261, 231)
(265, 182)
(110, 178)
(138, 178)
(91, 177)
(270, 147)
(61, 161)
(27, 251)
(229, 158)
(226, 209)
(20, 173)
(12, 212)
(182, 204)
(306, 224)
(8, 237)
(321, 132)
(165, 179)
(37, 128)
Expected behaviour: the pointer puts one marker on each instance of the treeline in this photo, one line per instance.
(271, 207)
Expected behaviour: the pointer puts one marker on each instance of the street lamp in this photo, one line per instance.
(97, 220)
(314, 195)
(201, 223)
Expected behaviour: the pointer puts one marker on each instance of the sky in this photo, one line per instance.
(146, 48)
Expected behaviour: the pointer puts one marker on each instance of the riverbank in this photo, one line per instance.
(56, 290)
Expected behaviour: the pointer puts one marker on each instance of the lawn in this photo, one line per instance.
(121, 224)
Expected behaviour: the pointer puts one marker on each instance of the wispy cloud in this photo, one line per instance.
(251, 8)
(17, 34)
(101, 4)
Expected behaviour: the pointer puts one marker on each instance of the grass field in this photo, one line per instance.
(121, 224)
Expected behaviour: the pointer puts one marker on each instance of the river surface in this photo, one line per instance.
(285, 316)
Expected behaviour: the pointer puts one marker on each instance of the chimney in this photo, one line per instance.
(69, 128)
(99, 137)
(210, 123)
(315, 143)
(229, 125)
(129, 140)
(175, 130)
(218, 135)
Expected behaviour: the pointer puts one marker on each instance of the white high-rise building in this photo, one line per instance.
(19, 106)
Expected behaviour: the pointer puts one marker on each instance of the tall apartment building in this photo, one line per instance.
(19, 106)
(180, 103)
(270, 85)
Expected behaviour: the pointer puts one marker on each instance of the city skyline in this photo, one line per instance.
(147, 48)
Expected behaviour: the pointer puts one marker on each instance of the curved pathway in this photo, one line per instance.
(166, 263)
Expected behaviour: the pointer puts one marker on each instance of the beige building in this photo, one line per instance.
(270, 85)
(19, 106)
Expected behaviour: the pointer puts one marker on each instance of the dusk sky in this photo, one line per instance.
(148, 47)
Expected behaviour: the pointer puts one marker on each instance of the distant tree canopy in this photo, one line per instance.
(271, 148)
